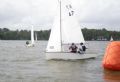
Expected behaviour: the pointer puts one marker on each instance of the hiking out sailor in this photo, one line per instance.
(73, 48)
(82, 48)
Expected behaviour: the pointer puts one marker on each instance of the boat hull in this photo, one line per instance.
(69, 56)
(30, 45)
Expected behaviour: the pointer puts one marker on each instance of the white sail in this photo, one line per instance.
(111, 39)
(32, 35)
(54, 43)
(71, 30)
(36, 36)
(65, 29)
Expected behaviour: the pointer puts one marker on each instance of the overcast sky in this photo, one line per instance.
(20, 14)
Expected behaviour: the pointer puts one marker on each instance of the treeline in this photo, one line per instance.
(100, 34)
(6, 34)
(89, 34)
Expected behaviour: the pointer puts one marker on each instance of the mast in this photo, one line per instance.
(60, 26)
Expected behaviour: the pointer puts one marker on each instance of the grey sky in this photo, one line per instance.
(20, 14)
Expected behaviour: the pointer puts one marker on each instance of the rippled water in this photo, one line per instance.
(21, 64)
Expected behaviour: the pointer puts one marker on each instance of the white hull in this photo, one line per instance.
(69, 56)
(30, 45)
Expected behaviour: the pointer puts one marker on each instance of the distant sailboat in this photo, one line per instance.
(32, 43)
(66, 30)
(111, 39)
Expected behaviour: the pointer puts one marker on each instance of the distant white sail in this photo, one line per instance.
(31, 44)
(36, 36)
(111, 39)
(65, 29)
(32, 35)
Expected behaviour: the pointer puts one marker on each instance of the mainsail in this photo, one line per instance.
(66, 29)
(71, 30)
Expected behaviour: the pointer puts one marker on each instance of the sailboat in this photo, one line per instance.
(111, 39)
(65, 31)
(32, 43)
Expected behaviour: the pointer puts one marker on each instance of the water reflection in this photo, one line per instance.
(111, 76)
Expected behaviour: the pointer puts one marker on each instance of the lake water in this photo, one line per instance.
(21, 64)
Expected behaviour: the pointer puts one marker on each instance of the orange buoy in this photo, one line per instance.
(111, 58)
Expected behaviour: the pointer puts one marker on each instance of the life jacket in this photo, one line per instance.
(73, 47)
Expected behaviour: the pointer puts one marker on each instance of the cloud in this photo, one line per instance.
(99, 11)
(41, 12)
